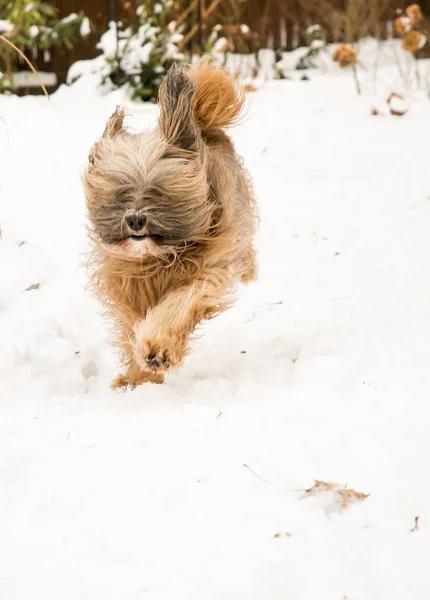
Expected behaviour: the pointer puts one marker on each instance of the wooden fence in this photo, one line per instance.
(281, 24)
(278, 24)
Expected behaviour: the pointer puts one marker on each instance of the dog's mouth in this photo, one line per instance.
(138, 237)
(154, 237)
(144, 239)
(132, 247)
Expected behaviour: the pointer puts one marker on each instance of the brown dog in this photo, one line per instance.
(173, 218)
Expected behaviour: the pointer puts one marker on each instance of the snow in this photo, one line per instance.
(70, 18)
(423, 42)
(109, 41)
(317, 44)
(312, 29)
(397, 105)
(134, 51)
(33, 30)
(85, 28)
(5, 27)
(406, 23)
(25, 79)
(196, 489)
(87, 67)
(221, 45)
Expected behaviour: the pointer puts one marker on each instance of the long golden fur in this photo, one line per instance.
(173, 217)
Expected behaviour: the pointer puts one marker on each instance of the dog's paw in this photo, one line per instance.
(151, 352)
(122, 383)
(153, 356)
(128, 382)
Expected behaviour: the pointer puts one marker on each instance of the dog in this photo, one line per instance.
(173, 217)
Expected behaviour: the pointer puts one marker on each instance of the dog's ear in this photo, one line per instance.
(114, 126)
(176, 122)
(115, 123)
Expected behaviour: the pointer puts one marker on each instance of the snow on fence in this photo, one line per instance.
(275, 24)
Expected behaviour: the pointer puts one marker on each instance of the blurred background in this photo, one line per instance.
(55, 35)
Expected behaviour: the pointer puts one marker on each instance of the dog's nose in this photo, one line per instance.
(136, 222)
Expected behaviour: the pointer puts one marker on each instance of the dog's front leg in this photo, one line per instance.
(161, 339)
(133, 375)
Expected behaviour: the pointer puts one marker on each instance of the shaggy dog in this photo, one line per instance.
(173, 218)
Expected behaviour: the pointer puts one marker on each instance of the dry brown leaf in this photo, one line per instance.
(413, 11)
(347, 497)
(394, 95)
(397, 113)
(413, 41)
(321, 486)
(402, 25)
(344, 496)
(33, 286)
(345, 56)
(396, 110)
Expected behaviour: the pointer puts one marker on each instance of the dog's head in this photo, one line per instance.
(147, 193)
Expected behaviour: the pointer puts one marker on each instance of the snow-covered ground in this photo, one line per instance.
(196, 489)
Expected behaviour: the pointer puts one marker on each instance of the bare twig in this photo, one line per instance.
(416, 526)
(417, 72)
(357, 81)
(185, 14)
(211, 8)
(255, 474)
(205, 14)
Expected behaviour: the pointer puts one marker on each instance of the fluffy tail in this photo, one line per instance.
(199, 100)
(217, 102)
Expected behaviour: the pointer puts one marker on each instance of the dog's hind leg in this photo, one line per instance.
(249, 267)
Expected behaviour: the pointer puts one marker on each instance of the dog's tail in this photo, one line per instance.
(201, 96)
(217, 101)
